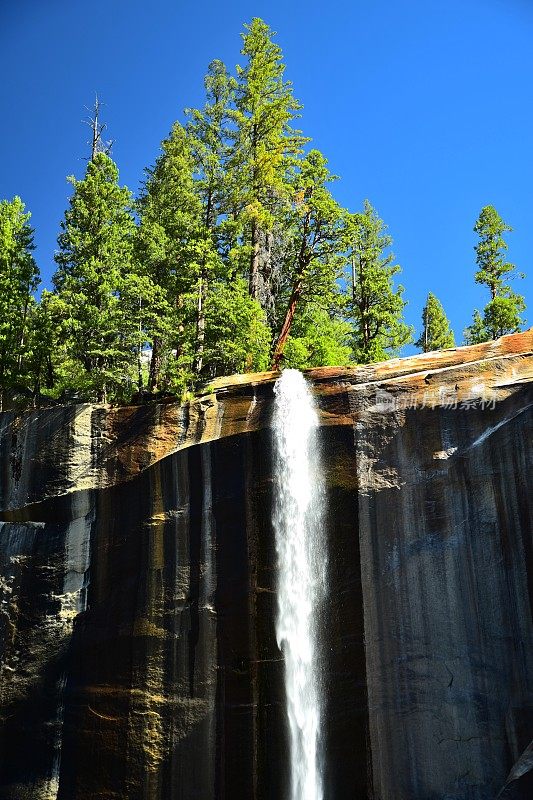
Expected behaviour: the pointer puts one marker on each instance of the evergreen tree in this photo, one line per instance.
(171, 248)
(491, 249)
(436, 332)
(19, 278)
(239, 259)
(44, 356)
(500, 317)
(208, 131)
(503, 312)
(375, 306)
(476, 333)
(99, 331)
(265, 145)
(314, 233)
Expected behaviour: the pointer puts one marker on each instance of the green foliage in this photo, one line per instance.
(375, 305)
(172, 245)
(45, 333)
(313, 233)
(476, 333)
(170, 228)
(264, 141)
(264, 146)
(19, 277)
(209, 132)
(436, 332)
(318, 338)
(97, 319)
(235, 256)
(209, 137)
(500, 317)
(502, 314)
(491, 249)
(237, 338)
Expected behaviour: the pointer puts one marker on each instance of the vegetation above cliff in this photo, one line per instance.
(235, 256)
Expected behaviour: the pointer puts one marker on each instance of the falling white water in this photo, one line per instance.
(298, 524)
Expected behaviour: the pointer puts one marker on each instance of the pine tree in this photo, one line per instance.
(265, 145)
(500, 317)
(99, 333)
(491, 249)
(43, 347)
(19, 278)
(502, 314)
(436, 332)
(172, 248)
(375, 306)
(208, 132)
(476, 333)
(314, 233)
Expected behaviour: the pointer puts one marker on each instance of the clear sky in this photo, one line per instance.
(425, 107)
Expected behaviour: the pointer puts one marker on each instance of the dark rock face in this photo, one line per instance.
(448, 580)
(138, 579)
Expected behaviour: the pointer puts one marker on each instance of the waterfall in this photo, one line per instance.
(300, 547)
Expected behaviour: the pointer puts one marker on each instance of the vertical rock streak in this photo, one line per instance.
(298, 524)
(208, 619)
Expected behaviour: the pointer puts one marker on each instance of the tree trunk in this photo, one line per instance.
(366, 332)
(23, 331)
(139, 352)
(254, 262)
(200, 324)
(179, 343)
(155, 364)
(287, 323)
(50, 378)
(265, 271)
(139, 373)
(303, 260)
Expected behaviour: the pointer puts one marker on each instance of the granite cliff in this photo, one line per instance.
(137, 589)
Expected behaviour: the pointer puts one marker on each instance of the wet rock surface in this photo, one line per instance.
(137, 589)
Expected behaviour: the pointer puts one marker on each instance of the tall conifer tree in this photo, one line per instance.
(314, 232)
(99, 332)
(19, 277)
(265, 144)
(171, 247)
(375, 305)
(208, 131)
(503, 312)
(436, 332)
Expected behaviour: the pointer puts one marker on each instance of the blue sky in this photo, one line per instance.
(423, 107)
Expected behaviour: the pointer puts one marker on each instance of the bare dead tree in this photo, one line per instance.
(97, 143)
